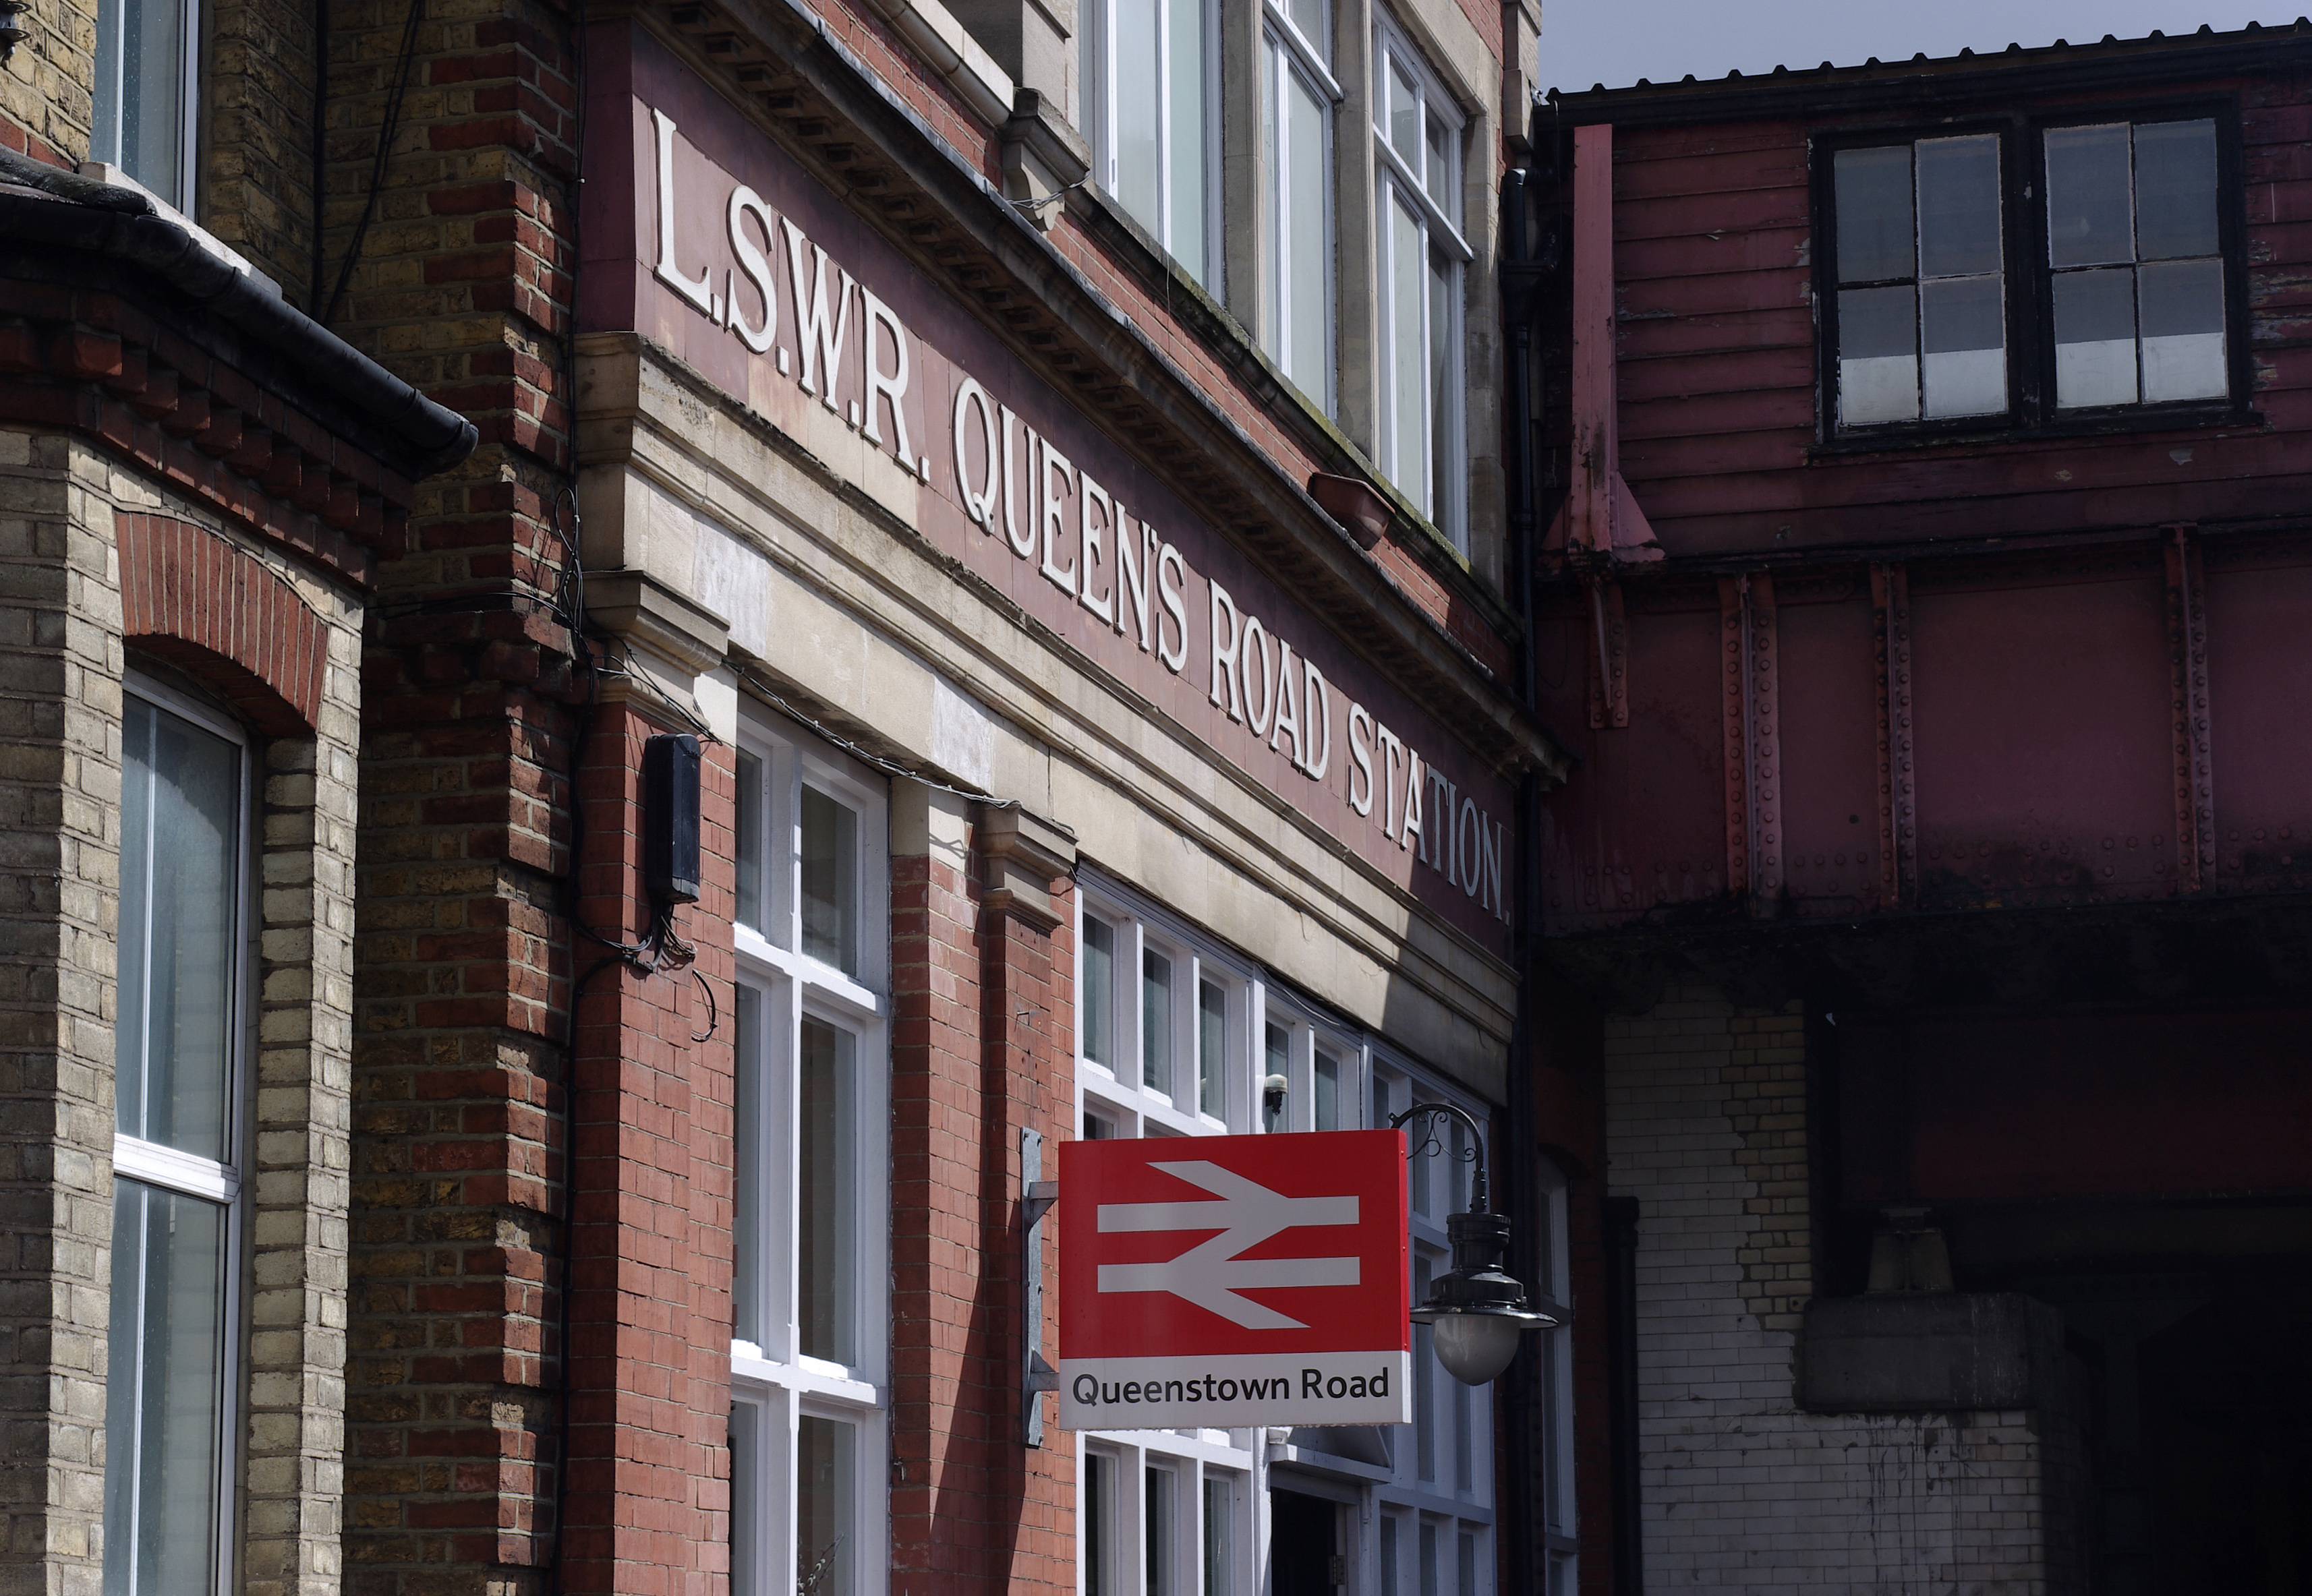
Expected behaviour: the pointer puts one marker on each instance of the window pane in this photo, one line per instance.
(1099, 1476)
(1441, 406)
(747, 1215)
(1211, 1049)
(1157, 1528)
(746, 1488)
(1873, 188)
(1189, 130)
(1327, 1105)
(1278, 1058)
(1408, 356)
(1388, 1555)
(1429, 1560)
(827, 1200)
(1216, 1538)
(180, 807)
(826, 1562)
(1877, 363)
(2183, 324)
(1308, 17)
(140, 93)
(1958, 206)
(749, 843)
(1962, 327)
(1098, 989)
(830, 881)
(2087, 220)
(1308, 281)
(1404, 115)
(1276, 232)
(1155, 1021)
(1438, 174)
(2174, 190)
(1134, 88)
(2095, 338)
(1466, 1564)
(165, 1394)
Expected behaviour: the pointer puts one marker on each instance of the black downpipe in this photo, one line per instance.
(573, 609)
(1520, 1396)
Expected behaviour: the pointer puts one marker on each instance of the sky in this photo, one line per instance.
(1616, 42)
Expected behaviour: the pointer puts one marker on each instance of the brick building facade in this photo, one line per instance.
(1043, 462)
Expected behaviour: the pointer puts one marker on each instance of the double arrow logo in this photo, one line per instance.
(1213, 1274)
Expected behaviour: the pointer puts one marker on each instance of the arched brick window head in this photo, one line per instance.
(192, 597)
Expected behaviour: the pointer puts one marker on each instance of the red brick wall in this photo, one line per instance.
(982, 1048)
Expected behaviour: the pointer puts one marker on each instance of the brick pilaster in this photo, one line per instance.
(462, 969)
(983, 1001)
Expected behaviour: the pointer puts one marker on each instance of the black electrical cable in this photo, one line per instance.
(385, 137)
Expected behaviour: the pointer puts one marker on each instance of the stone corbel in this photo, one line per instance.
(1027, 855)
(672, 646)
(1043, 157)
(648, 616)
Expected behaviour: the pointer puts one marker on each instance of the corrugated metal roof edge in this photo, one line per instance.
(1828, 89)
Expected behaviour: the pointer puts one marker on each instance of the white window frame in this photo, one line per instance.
(221, 1182)
(1097, 70)
(1398, 184)
(773, 1384)
(1552, 1294)
(1285, 53)
(1124, 1105)
(1253, 1462)
(189, 21)
(1462, 1415)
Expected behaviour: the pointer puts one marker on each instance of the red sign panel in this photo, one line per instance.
(1230, 1280)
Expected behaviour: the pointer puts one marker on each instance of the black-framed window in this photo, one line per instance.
(2135, 255)
(2029, 275)
(1921, 294)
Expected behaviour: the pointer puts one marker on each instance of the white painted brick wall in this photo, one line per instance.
(1740, 1489)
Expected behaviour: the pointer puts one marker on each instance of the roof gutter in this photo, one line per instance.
(70, 212)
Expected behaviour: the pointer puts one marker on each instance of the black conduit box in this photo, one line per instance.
(670, 818)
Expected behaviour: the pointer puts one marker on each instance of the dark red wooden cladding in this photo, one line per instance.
(2107, 643)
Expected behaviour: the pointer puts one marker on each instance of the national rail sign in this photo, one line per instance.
(1229, 1280)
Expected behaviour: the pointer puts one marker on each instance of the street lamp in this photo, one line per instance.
(1476, 1311)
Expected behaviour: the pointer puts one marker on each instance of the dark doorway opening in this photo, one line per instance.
(1304, 1552)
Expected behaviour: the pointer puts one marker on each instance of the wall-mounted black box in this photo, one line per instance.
(670, 818)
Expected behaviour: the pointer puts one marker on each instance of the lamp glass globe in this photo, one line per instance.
(1474, 1348)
